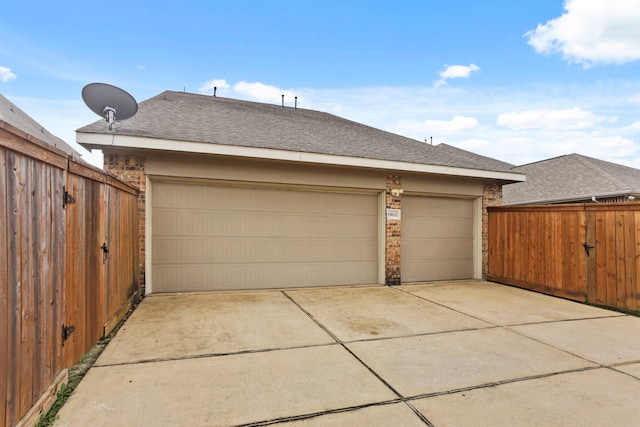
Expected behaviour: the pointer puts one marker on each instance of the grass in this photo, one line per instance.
(76, 373)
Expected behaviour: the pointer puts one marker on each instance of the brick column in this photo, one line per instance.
(393, 231)
(491, 196)
(130, 168)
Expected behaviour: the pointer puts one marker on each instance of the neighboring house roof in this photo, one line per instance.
(179, 118)
(10, 113)
(572, 177)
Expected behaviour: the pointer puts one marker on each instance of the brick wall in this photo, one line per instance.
(393, 232)
(130, 168)
(491, 196)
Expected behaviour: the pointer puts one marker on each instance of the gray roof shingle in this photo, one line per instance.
(571, 177)
(191, 117)
(17, 118)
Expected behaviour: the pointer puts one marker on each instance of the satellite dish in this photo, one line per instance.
(109, 102)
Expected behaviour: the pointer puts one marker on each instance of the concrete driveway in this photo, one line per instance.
(442, 354)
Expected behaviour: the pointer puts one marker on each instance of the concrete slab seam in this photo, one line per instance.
(308, 416)
(613, 368)
(420, 415)
(444, 306)
(211, 355)
(503, 382)
(420, 334)
(543, 322)
(507, 328)
(374, 373)
(310, 316)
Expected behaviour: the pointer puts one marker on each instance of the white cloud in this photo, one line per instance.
(455, 72)
(574, 118)
(6, 74)
(632, 129)
(264, 93)
(635, 99)
(438, 127)
(592, 32)
(220, 84)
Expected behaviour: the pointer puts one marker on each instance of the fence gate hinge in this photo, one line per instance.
(105, 252)
(66, 331)
(67, 198)
(587, 247)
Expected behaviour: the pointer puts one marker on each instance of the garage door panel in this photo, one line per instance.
(252, 276)
(211, 237)
(442, 249)
(200, 196)
(440, 269)
(216, 223)
(437, 239)
(176, 251)
(437, 228)
(438, 207)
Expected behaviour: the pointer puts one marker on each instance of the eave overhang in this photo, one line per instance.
(113, 140)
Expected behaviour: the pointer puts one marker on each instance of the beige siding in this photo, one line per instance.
(209, 237)
(437, 239)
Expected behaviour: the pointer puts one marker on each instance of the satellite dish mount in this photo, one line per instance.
(110, 102)
(109, 115)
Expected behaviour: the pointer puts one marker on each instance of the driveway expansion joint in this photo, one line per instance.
(213, 355)
(302, 417)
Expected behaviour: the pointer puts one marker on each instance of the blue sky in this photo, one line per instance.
(520, 81)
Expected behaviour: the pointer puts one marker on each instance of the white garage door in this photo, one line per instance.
(437, 239)
(211, 237)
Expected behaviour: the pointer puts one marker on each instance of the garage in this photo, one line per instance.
(237, 194)
(217, 236)
(437, 239)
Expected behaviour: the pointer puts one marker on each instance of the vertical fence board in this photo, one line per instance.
(601, 258)
(629, 260)
(14, 292)
(28, 302)
(592, 259)
(611, 262)
(40, 270)
(620, 259)
(60, 263)
(74, 255)
(541, 262)
(4, 284)
(553, 257)
(636, 303)
(565, 255)
(580, 254)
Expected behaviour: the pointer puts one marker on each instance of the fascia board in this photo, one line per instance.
(100, 141)
(571, 199)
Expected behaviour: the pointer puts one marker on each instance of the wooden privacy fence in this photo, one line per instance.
(68, 267)
(587, 252)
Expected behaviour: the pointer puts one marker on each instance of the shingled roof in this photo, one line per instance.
(188, 117)
(572, 178)
(10, 113)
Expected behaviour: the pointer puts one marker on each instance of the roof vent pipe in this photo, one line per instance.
(214, 91)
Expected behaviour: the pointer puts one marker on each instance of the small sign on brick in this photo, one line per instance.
(393, 214)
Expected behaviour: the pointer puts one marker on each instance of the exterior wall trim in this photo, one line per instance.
(98, 141)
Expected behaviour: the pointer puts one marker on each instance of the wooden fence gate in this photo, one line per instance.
(587, 252)
(68, 267)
